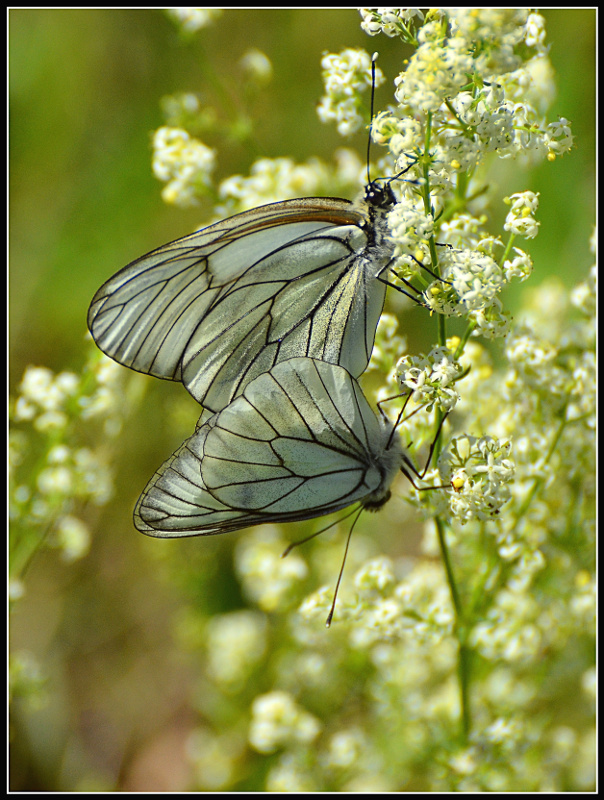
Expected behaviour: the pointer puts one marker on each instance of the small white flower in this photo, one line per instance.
(36, 383)
(558, 136)
(270, 180)
(480, 470)
(267, 577)
(236, 642)
(257, 66)
(55, 480)
(430, 378)
(345, 747)
(521, 266)
(535, 31)
(437, 70)
(375, 575)
(72, 536)
(183, 163)
(278, 721)
(194, 19)
(345, 76)
(520, 219)
(390, 21)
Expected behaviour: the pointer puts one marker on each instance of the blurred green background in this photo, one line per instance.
(85, 87)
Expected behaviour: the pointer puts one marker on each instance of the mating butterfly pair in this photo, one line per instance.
(267, 318)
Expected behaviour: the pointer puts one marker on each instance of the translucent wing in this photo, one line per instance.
(302, 441)
(219, 307)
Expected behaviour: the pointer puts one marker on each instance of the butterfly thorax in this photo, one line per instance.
(374, 206)
(388, 462)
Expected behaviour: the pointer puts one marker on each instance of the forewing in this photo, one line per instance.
(223, 305)
(280, 452)
(175, 502)
(310, 297)
(145, 314)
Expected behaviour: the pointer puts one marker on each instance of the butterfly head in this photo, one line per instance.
(376, 500)
(379, 195)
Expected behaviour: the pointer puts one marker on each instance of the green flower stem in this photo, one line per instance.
(463, 666)
(538, 481)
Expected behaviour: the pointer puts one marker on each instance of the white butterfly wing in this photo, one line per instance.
(223, 305)
(301, 441)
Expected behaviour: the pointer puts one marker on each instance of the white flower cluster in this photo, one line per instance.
(500, 30)
(521, 217)
(511, 631)
(470, 284)
(385, 608)
(502, 113)
(391, 21)
(43, 396)
(46, 399)
(584, 294)
(270, 180)
(72, 537)
(414, 611)
(431, 378)
(277, 721)
(535, 362)
(491, 119)
(257, 66)
(475, 276)
(183, 163)
(411, 228)
(53, 471)
(236, 643)
(274, 179)
(194, 19)
(434, 71)
(72, 473)
(267, 578)
(345, 76)
(474, 269)
(479, 469)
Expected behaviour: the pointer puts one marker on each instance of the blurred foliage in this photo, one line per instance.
(114, 706)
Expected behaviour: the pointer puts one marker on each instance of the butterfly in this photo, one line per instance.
(300, 442)
(223, 305)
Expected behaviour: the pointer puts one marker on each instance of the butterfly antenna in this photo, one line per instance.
(373, 60)
(409, 470)
(291, 546)
(400, 414)
(335, 594)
